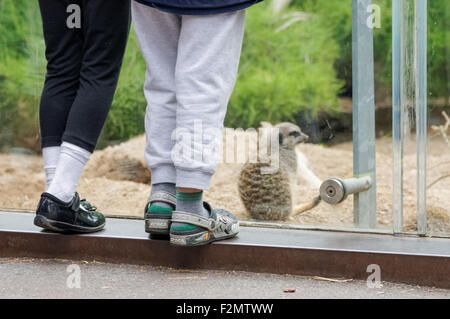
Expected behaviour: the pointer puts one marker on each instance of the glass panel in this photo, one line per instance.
(21, 70)
(405, 112)
(438, 160)
(328, 122)
(419, 39)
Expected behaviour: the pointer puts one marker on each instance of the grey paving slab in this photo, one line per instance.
(34, 278)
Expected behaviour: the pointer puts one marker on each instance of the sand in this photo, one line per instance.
(116, 180)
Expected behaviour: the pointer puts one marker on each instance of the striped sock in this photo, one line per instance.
(190, 203)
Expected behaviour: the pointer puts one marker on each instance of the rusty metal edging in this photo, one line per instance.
(396, 267)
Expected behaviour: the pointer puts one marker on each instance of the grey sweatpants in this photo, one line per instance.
(192, 64)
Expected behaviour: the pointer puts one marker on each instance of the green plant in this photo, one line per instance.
(284, 68)
(126, 118)
(338, 15)
(21, 71)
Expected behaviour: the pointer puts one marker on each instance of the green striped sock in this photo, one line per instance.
(159, 210)
(189, 197)
(190, 203)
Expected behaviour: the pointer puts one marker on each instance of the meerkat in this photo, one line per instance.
(269, 196)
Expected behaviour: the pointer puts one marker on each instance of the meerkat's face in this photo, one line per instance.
(290, 135)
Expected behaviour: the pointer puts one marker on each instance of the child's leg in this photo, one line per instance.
(105, 26)
(64, 47)
(104, 32)
(100, 43)
(208, 59)
(158, 35)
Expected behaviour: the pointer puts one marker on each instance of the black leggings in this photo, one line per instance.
(83, 66)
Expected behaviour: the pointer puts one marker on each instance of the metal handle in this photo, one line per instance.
(335, 190)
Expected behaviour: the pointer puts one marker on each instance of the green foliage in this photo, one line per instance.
(21, 70)
(339, 18)
(126, 118)
(439, 49)
(283, 70)
(22, 74)
(336, 16)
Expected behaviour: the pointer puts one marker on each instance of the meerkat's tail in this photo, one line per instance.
(299, 209)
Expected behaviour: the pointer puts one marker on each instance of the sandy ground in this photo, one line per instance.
(116, 180)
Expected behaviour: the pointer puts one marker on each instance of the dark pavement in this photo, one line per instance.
(35, 278)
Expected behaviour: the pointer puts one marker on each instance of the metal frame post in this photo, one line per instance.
(397, 117)
(364, 160)
(409, 65)
(421, 112)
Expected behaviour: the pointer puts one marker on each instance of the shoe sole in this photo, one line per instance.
(186, 240)
(202, 236)
(62, 227)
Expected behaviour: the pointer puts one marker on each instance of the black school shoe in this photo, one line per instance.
(76, 216)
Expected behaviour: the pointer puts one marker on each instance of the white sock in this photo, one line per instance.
(72, 160)
(51, 156)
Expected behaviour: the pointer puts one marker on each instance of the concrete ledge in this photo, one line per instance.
(413, 260)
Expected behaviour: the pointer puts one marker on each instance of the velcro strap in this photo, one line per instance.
(76, 202)
(162, 196)
(194, 219)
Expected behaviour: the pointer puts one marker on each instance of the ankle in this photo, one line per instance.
(189, 196)
(64, 195)
(163, 187)
(189, 190)
(191, 203)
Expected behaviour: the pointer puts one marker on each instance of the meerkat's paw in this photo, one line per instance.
(305, 175)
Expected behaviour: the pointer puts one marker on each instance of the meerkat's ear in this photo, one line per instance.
(265, 124)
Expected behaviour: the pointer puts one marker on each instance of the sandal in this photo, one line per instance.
(158, 222)
(200, 230)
